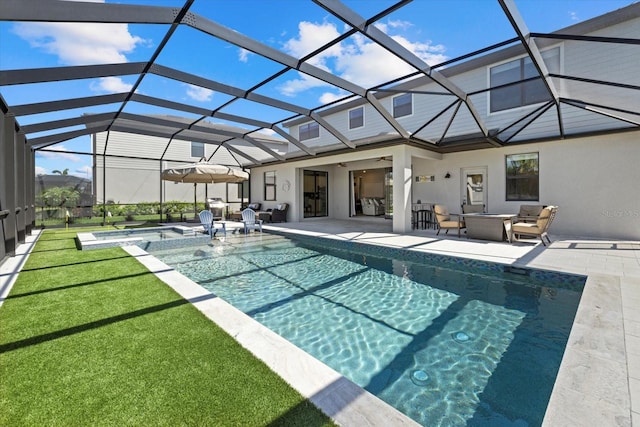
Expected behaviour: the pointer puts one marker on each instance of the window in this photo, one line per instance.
(523, 177)
(527, 93)
(309, 131)
(197, 149)
(237, 191)
(356, 118)
(402, 105)
(270, 185)
(243, 190)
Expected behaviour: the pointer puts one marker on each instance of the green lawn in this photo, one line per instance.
(93, 338)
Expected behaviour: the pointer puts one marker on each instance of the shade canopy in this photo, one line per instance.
(204, 173)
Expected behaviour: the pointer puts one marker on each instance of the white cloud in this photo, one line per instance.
(356, 59)
(312, 36)
(243, 55)
(328, 97)
(80, 43)
(399, 24)
(58, 152)
(573, 16)
(40, 171)
(199, 93)
(83, 172)
(305, 82)
(110, 85)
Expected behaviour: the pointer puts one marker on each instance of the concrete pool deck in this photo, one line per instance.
(599, 378)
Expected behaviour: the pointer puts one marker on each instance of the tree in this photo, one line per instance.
(60, 196)
(63, 172)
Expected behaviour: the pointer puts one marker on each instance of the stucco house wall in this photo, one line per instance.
(135, 180)
(594, 181)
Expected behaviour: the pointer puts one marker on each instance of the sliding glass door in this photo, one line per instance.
(315, 193)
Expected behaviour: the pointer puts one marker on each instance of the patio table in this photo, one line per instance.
(422, 216)
(486, 226)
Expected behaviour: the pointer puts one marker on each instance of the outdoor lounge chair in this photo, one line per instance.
(279, 214)
(237, 215)
(538, 228)
(529, 213)
(371, 206)
(208, 223)
(250, 221)
(446, 220)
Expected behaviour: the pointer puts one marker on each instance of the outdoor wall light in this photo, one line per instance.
(447, 175)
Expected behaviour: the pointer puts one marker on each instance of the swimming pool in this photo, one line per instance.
(444, 340)
(147, 238)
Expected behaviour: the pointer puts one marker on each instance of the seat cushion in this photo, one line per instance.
(543, 218)
(451, 224)
(530, 210)
(525, 228)
(442, 214)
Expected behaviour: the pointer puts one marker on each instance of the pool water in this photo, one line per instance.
(146, 234)
(443, 343)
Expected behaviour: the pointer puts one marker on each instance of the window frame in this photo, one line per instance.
(398, 114)
(514, 178)
(521, 88)
(199, 146)
(270, 187)
(361, 118)
(309, 131)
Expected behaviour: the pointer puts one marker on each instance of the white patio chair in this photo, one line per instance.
(250, 221)
(207, 221)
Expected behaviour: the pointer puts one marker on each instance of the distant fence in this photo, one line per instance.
(51, 216)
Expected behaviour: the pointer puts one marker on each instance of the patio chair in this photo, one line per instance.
(539, 228)
(250, 222)
(445, 220)
(472, 208)
(529, 213)
(371, 206)
(279, 214)
(208, 223)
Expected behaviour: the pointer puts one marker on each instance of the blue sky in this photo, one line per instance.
(434, 30)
